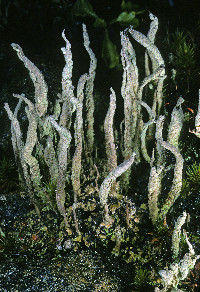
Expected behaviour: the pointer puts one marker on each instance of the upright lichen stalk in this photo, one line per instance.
(89, 123)
(67, 86)
(109, 133)
(156, 175)
(78, 135)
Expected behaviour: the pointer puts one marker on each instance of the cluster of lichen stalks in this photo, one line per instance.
(44, 129)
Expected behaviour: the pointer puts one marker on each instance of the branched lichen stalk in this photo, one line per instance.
(158, 73)
(19, 145)
(67, 87)
(30, 143)
(38, 81)
(151, 36)
(156, 58)
(145, 42)
(177, 180)
(178, 170)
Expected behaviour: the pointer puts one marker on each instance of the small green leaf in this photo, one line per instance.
(127, 18)
(129, 6)
(126, 6)
(78, 238)
(143, 206)
(44, 228)
(2, 234)
(99, 22)
(83, 8)
(109, 52)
